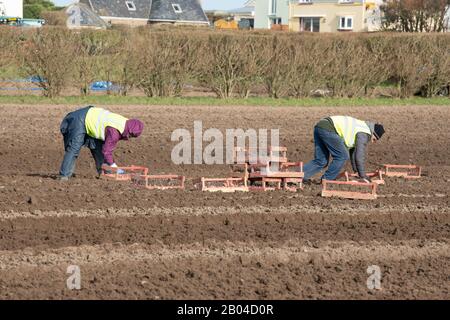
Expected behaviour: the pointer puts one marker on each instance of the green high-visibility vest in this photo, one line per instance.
(348, 127)
(97, 119)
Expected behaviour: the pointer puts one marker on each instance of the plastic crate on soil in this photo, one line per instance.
(404, 171)
(349, 190)
(159, 182)
(112, 172)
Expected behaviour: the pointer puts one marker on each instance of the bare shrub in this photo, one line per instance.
(276, 66)
(253, 61)
(221, 67)
(10, 39)
(121, 63)
(308, 65)
(161, 61)
(5, 46)
(411, 65)
(55, 18)
(164, 63)
(438, 52)
(343, 57)
(377, 65)
(91, 49)
(49, 55)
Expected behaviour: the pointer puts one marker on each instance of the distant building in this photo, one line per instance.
(318, 15)
(142, 12)
(11, 8)
(242, 18)
(272, 14)
(334, 15)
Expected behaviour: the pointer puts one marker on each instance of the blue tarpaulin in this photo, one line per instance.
(95, 86)
(104, 86)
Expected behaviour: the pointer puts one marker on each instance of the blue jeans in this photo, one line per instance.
(327, 143)
(75, 136)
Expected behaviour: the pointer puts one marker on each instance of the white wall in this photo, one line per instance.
(12, 8)
(447, 19)
(261, 14)
(263, 9)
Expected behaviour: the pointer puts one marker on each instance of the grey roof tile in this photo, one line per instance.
(153, 10)
(191, 11)
(118, 8)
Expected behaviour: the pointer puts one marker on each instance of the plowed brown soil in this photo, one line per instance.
(133, 243)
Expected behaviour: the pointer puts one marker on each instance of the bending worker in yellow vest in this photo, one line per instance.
(99, 130)
(342, 138)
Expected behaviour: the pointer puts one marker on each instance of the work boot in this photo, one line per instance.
(311, 182)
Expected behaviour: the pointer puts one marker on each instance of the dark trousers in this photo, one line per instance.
(75, 137)
(326, 144)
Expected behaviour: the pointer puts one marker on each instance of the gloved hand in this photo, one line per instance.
(119, 171)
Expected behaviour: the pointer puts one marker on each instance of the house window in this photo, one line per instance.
(346, 23)
(176, 8)
(275, 21)
(310, 24)
(130, 5)
(273, 9)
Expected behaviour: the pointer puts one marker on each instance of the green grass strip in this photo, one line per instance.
(209, 101)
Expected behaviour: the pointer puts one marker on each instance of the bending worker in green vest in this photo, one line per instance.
(99, 130)
(342, 138)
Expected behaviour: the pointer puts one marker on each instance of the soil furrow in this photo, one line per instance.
(340, 208)
(244, 252)
(57, 232)
(219, 278)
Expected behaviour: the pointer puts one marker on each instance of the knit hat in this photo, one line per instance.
(133, 128)
(378, 131)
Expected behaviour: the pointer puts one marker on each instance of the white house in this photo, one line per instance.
(271, 13)
(11, 8)
(245, 13)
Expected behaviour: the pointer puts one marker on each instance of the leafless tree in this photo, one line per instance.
(415, 15)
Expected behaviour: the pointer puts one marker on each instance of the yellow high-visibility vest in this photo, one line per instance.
(97, 119)
(348, 127)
